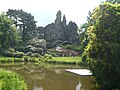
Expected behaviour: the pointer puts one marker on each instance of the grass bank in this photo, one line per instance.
(23, 59)
(46, 58)
(65, 60)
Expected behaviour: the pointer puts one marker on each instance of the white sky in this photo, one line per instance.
(45, 11)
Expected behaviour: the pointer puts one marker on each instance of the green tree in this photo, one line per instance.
(113, 1)
(83, 34)
(103, 49)
(24, 22)
(8, 33)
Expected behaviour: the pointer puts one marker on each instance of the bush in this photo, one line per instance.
(69, 46)
(29, 54)
(36, 55)
(37, 50)
(47, 56)
(74, 47)
(11, 81)
(32, 59)
(11, 49)
(8, 54)
(18, 54)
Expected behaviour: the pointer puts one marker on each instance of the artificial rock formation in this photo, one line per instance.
(58, 18)
(59, 31)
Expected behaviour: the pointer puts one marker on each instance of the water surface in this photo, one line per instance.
(39, 78)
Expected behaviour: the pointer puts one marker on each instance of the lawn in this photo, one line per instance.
(65, 60)
(8, 59)
(58, 60)
(13, 59)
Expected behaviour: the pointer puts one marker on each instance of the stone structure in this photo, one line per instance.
(58, 18)
(59, 32)
(64, 21)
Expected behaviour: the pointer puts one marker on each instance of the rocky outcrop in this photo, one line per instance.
(53, 32)
(72, 34)
(58, 18)
(64, 21)
(59, 31)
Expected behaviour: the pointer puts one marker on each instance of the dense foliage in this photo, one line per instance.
(11, 81)
(8, 32)
(18, 31)
(113, 1)
(82, 32)
(103, 49)
(24, 22)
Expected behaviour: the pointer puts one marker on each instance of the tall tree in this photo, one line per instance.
(113, 1)
(24, 21)
(83, 36)
(103, 48)
(8, 32)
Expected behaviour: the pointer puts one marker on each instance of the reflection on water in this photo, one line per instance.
(79, 86)
(37, 88)
(39, 78)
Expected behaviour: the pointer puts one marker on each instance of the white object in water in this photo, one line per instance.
(79, 86)
(38, 88)
(84, 72)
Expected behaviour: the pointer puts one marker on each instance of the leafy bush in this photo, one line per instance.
(29, 53)
(36, 55)
(18, 54)
(47, 56)
(11, 49)
(11, 81)
(33, 59)
(8, 54)
(73, 47)
(30, 48)
(37, 50)
(69, 46)
(35, 42)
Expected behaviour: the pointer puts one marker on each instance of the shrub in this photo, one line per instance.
(18, 54)
(47, 56)
(8, 54)
(37, 50)
(25, 58)
(11, 81)
(69, 46)
(11, 49)
(36, 55)
(32, 59)
(29, 54)
(74, 47)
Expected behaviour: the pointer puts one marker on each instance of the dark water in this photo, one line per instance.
(39, 78)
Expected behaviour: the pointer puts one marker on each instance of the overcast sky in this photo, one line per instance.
(45, 11)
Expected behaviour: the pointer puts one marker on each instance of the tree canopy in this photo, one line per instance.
(24, 22)
(113, 1)
(8, 32)
(103, 49)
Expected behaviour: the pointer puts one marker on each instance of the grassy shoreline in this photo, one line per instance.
(53, 60)
(23, 59)
(65, 60)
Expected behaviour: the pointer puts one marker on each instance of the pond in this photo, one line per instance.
(38, 77)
